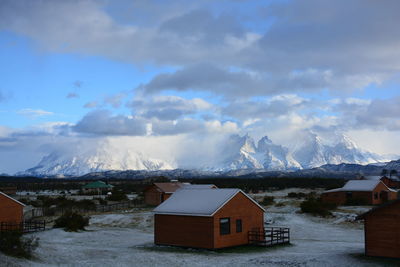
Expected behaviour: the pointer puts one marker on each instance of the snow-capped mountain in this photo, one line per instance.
(242, 153)
(102, 158)
(236, 153)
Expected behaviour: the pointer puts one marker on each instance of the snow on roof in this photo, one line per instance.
(198, 186)
(201, 202)
(358, 185)
(13, 199)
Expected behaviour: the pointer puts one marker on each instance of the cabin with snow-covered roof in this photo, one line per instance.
(368, 192)
(157, 193)
(207, 218)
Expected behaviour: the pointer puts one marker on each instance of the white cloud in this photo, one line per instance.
(34, 113)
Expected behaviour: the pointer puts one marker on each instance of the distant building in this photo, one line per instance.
(157, 193)
(11, 210)
(368, 192)
(98, 187)
(207, 218)
(392, 182)
(382, 230)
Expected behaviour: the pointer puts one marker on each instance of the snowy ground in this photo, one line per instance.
(126, 239)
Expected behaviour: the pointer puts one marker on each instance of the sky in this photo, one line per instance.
(170, 76)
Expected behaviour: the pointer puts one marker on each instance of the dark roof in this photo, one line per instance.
(169, 187)
(97, 184)
(387, 204)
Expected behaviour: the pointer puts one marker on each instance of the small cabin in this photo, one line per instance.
(98, 187)
(157, 193)
(368, 192)
(207, 218)
(11, 210)
(382, 230)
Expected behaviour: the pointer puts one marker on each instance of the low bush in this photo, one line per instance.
(296, 195)
(14, 244)
(72, 222)
(317, 207)
(267, 201)
(117, 196)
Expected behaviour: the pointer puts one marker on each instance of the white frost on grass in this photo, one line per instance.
(127, 240)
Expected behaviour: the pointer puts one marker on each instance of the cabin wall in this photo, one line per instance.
(338, 198)
(239, 207)
(152, 196)
(382, 232)
(165, 196)
(10, 211)
(185, 231)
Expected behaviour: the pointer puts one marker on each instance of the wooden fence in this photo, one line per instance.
(269, 236)
(25, 227)
(98, 208)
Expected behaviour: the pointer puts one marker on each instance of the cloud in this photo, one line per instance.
(168, 107)
(72, 95)
(34, 113)
(91, 104)
(102, 122)
(268, 108)
(115, 100)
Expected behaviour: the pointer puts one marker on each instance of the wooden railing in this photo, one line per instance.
(269, 236)
(25, 227)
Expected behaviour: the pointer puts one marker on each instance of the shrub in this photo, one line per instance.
(72, 222)
(117, 196)
(267, 201)
(317, 207)
(12, 243)
(296, 195)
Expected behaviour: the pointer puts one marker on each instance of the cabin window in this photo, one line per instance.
(238, 226)
(376, 195)
(224, 226)
(349, 195)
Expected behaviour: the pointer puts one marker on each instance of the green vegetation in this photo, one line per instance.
(12, 243)
(71, 222)
(267, 200)
(315, 206)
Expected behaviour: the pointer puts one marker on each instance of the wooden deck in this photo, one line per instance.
(269, 236)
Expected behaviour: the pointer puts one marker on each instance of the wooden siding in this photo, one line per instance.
(242, 208)
(10, 211)
(152, 196)
(185, 231)
(382, 232)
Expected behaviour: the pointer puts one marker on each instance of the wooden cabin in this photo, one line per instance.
(368, 192)
(11, 210)
(382, 230)
(207, 218)
(157, 193)
(391, 182)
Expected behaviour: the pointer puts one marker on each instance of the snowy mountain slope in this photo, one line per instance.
(103, 158)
